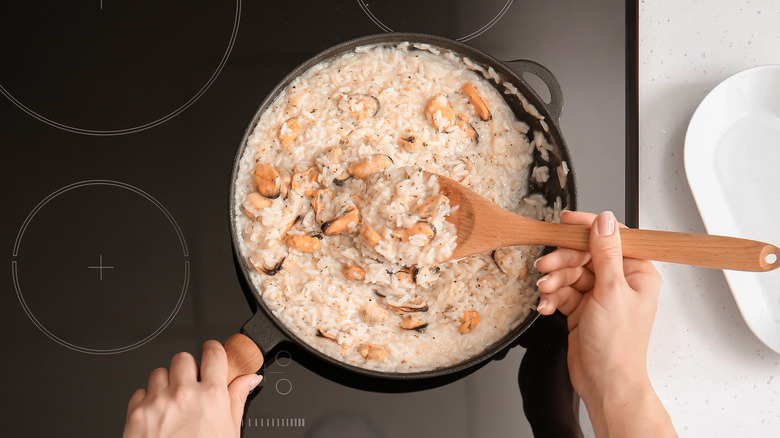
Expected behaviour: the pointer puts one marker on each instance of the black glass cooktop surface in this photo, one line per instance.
(119, 122)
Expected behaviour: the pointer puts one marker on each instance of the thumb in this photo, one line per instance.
(239, 390)
(606, 251)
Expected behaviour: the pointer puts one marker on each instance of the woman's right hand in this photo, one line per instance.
(611, 304)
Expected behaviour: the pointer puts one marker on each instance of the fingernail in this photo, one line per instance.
(543, 278)
(256, 381)
(537, 261)
(605, 224)
(542, 304)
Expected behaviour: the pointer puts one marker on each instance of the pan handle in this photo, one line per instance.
(245, 350)
(522, 66)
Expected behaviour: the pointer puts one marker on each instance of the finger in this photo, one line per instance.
(577, 217)
(135, 400)
(183, 369)
(239, 390)
(573, 318)
(569, 257)
(606, 252)
(214, 365)
(580, 218)
(589, 264)
(562, 258)
(565, 299)
(578, 277)
(158, 380)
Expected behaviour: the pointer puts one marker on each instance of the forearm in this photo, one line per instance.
(629, 410)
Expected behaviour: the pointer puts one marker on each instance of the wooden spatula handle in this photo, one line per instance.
(719, 252)
(704, 250)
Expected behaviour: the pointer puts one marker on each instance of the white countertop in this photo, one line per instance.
(713, 375)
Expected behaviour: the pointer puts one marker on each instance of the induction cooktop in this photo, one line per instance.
(119, 122)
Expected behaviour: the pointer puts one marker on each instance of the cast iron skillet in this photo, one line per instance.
(264, 333)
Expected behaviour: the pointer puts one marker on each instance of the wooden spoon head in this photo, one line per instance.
(463, 216)
(479, 223)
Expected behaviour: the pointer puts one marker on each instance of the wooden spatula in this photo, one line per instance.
(483, 225)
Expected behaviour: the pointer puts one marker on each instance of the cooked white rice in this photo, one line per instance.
(398, 308)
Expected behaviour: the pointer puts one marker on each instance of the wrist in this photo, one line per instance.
(614, 384)
(628, 406)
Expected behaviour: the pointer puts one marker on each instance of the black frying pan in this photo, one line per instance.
(264, 333)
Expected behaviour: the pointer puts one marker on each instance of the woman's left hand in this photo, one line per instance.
(176, 403)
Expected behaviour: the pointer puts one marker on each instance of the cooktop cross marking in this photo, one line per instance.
(100, 267)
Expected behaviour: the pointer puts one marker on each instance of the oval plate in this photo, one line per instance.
(732, 161)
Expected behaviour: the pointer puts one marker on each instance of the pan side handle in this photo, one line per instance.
(245, 350)
(522, 66)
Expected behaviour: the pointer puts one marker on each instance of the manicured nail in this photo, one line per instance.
(606, 223)
(537, 261)
(544, 278)
(256, 381)
(542, 304)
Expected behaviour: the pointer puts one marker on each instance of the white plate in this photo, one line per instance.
(732, 160)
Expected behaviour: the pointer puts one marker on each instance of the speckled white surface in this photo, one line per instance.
(713, 375)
